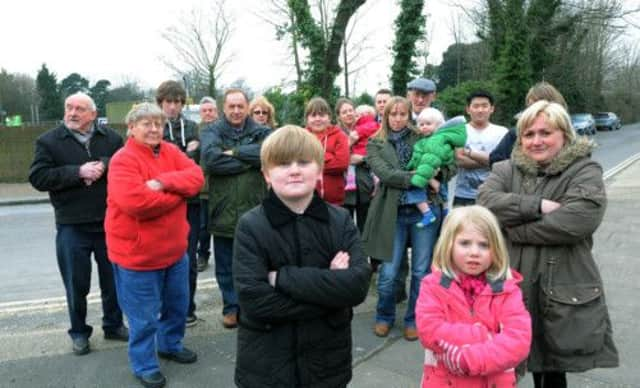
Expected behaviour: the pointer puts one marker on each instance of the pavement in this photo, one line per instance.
(37, 354)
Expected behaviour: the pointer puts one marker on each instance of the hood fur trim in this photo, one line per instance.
(581, 147)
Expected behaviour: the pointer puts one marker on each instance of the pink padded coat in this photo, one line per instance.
(492, 336)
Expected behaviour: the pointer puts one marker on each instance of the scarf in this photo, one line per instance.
(471, 286)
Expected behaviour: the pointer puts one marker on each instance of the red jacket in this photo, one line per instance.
(493, 336)
(146, 229)
(336, 161)
(366, 126)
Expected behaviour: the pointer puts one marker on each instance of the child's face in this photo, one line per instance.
(471, 252)
(427, 127)
(293, 181)
(318, 122)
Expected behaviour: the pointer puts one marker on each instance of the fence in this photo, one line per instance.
(16, 151)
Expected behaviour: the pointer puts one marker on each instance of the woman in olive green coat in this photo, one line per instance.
(550, 199)
(392, 220)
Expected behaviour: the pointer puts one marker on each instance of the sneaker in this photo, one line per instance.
(192, 320)
(119, 334)
(185, 356)
(152, 380)
(80, 346)
(202, 264)
(230, 320)
(427, 219)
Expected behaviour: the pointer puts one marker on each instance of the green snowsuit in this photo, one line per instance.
(437, 150)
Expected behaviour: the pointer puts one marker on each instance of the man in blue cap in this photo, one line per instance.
(421, 92)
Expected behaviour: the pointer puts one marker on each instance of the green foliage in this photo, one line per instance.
(454, 98)
(364, 99)
(322, 66)
(289, 107)
(513, 73)
(50, 100)
(73, 83)
(130, 91)
(99, 93)
(17, 93)
(409, 29)
(463, 62)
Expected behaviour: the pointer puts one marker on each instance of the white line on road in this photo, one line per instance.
(61, 301)
(621, 166)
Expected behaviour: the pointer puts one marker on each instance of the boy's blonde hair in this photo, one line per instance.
(288, 144)
(431, 114)
(362, 110)
(482, 220)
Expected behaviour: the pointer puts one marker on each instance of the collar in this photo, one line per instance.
(497, 286)
(279, 214)
(580, 148)
(66, 131)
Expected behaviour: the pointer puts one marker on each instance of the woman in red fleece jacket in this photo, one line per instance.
(470, 315)
(146, 231)
(336, 150)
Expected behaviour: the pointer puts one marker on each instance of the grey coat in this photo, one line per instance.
(562, 286)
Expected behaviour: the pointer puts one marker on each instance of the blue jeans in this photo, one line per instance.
(223, 254)
(193, 217)
(423, 240)
(204, 238)
(74, 246)
(155, 303)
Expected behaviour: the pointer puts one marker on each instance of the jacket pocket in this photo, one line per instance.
(573, 318)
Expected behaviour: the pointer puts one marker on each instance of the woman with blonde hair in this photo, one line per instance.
(550, 199)
(263, 112)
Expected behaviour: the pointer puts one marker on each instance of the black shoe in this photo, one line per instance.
(81, 346)
(153, 380)
(185, 356)
(192, 320)
(202, 264)
(119, 334)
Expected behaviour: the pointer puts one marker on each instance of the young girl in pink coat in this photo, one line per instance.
(470, 315)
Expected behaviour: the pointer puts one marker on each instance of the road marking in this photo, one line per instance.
(61, 301)
(620, 166)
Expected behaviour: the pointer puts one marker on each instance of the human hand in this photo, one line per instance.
(452, 358)
(435, 185)
(547, 206)
(154, 185)
(353, 135)
(272, 278)
(340, 261)
(91, 170)
(193, 145)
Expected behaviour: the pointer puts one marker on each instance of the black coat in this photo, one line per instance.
(56, 167)
(297, 334)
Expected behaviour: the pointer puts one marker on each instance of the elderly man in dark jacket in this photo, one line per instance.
(230, 151)
(70, 163)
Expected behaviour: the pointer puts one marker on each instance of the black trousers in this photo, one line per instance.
(550, 379)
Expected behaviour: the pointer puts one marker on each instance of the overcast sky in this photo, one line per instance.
(120, 40)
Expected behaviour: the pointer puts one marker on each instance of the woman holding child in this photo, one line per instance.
(392, 220)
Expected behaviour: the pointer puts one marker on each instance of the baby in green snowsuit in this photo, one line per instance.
(434, 151)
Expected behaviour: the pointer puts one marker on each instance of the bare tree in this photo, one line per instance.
(200, 41)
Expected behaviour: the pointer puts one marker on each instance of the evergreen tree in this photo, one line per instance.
(73, 83)
(99, 93)
(513, 73)
(50, 101)
(409, 29)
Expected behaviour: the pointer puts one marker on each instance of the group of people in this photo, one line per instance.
(505, 279)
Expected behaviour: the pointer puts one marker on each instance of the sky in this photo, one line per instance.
(120, 40)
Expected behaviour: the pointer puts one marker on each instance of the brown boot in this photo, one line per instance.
(410, 333)
(381, 329)
(230, 321)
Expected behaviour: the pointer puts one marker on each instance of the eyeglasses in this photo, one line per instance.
(261, 112)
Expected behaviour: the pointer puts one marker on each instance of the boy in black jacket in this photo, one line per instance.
(298, 269)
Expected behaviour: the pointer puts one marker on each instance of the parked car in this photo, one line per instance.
(607, 121)
(583, 123)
